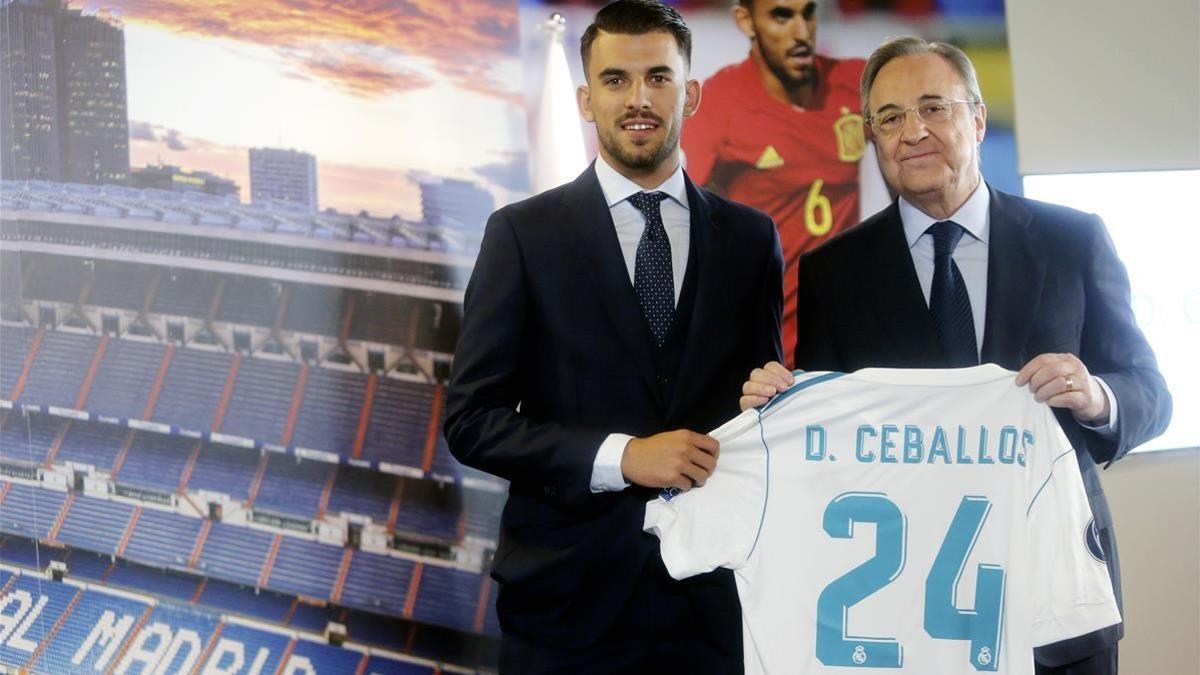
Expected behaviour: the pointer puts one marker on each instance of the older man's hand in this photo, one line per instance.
(764, 383)
(1062, 381)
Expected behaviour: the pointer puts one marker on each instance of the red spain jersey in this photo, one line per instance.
(799, 165)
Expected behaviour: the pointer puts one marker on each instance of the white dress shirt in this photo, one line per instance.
(629, 224)
(971, 257)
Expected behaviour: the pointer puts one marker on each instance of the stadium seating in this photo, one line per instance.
(89, 443)
(224, 469)
(58, 369)
(261, 401)
(448, 597)
(430, 510)
(125, 379)
(29, 511)
(234, 553)
(315, 309)
(305, 568)
(164, 539)
(14, 345)
(329, 411)
(28, 437)
(377, 583)
(367, 493)
(192, 389)
(292, 486)
(54, 278)
(155, 461)
(248, 300)
(399, 422)
(95, 524)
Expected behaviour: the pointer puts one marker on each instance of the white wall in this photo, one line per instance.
(1155, 499)
(1102, 85)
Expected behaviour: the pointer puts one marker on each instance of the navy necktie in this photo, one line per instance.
(653, 280)
(948, 300)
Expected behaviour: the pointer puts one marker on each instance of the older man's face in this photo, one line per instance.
(928, 161)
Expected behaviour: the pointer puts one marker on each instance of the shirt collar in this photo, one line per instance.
(972, 216)
(618, 188)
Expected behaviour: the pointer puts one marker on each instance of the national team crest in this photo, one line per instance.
(851, 140)
(1091, 537)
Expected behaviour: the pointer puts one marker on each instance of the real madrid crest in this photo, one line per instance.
(851, 140)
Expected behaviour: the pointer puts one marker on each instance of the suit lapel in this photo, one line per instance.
(710, 312)
(1016, 270)
(899, 302)
(595, 240)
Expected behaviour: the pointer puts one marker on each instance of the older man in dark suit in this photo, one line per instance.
(955, 273)
(606, 323)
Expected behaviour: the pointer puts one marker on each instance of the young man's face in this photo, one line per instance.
(784, 33)
(637, 95)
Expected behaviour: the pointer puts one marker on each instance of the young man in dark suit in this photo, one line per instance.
(607, 324)
(955, 273)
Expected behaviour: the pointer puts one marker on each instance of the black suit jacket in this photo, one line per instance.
(551, 324)
(1054, 285)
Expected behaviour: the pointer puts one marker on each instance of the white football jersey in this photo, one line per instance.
(918, 521)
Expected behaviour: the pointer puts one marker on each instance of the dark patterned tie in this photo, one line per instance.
(948, 300)
(653, 280)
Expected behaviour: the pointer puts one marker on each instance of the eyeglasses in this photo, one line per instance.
(929, 112)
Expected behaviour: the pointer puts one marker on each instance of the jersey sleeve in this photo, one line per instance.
(715, 525)
(1071, 591)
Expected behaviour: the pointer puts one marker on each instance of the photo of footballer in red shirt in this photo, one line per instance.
(782, 132)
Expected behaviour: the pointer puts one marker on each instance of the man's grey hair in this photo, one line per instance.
(894, 48)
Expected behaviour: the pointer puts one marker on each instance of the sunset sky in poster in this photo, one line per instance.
(373, 89)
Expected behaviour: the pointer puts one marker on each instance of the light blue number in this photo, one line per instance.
(943, 619)
(834, 646)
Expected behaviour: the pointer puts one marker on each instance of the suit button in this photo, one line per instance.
(550, 490)
(663, 379)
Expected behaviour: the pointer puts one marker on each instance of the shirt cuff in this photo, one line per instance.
(1109, 428)
(606, 470)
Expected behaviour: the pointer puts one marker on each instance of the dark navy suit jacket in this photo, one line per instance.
(1055, 284)
(551, 323)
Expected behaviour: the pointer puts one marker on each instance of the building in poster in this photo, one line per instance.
(63, 94)
(175, 179)
(449, 202)
(288, 176)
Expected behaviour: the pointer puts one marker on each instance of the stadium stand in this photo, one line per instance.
(28, 438)
(330, 410)
(155, 461)
(125, 380)
(377, 583)
(400, 411)
(292, 486)
(262, 399)
(14, 345)
(447, 597)
(90, 443)
(192, 390)
(363, 492)
(315, 309)
(224, 469)
(163, 539)
(95, 524)
(29, 511)
(58, 369)
(305, 568)
(56, 278)
(248, 300)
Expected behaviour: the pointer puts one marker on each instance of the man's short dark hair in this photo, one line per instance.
(637, 17)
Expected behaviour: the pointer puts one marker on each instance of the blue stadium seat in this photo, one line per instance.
(184, 292)
(95, 524)
(58, 369)
(377, 583)
(125, 378)
(305, 568)
(234, 553)
(162, 538)
(29, 511)
(448, 597)
(399, 422)
(261, 401)
(14, 344)
(224, 469)
(25, 597)
(367, 493)
(92, 443)
(192, 389)
(292, 486)
(156, 461)
(27, 437)
(95, 611)
(330, 409)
